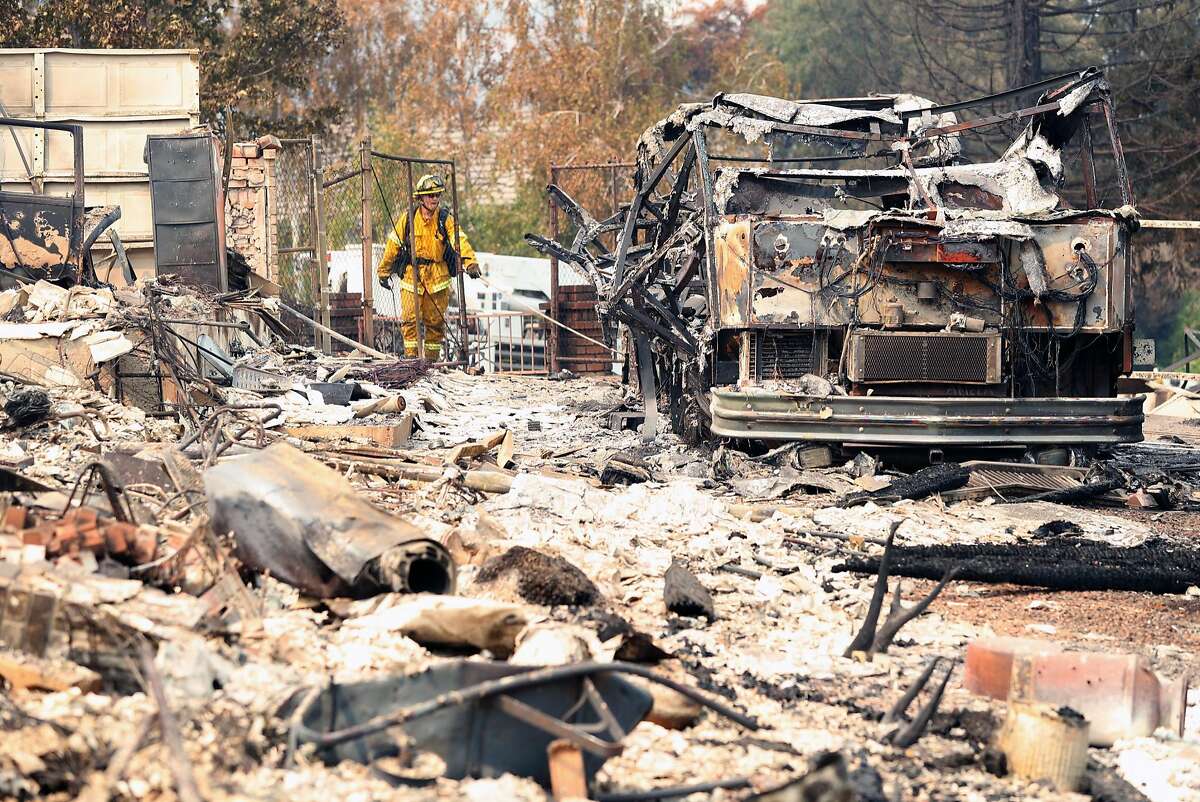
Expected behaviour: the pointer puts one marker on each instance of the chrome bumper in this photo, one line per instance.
(882, 420)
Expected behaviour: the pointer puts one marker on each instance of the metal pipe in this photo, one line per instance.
(368, 296)
(547, 317)
(336, 335)
(240, 325)
(344, 177)
(592, 166)
(985, 99)
(411, 159)
(321, 254)
(414, 265)
(674, 791)
(552, 340)
(1193, 225)
(1118, 155)
(1088, 157)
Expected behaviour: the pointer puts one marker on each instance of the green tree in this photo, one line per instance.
(256, 56)
(501, 227)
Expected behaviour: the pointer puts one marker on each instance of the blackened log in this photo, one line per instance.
(925, 482)
(1067, 564)
(1105, 785)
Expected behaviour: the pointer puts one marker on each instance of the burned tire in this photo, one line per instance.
(681, 395)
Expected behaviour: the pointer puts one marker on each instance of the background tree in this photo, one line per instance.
(951, 50)
(256, 56)
(506, 87)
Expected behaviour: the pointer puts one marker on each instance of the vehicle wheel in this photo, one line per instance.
(681, 394)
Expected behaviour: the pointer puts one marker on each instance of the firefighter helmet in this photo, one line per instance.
(430, 184)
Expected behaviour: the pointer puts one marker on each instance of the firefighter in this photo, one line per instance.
(426, 292)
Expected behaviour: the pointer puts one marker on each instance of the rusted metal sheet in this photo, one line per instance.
(43, 235)
(733, 268)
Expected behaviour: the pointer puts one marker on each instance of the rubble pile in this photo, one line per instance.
(351, 577)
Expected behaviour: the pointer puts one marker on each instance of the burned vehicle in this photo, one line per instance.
(876, 270)
(48, 236)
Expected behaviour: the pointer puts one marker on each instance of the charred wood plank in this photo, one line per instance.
(684, 595)
(1066, 564)
(925, 482)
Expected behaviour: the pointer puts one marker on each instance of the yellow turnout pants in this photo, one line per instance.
(433, 313)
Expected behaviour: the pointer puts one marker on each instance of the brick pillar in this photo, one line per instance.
(250, 219)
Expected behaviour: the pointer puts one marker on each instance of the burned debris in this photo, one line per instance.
(232, 565)
(540, 578)
(302, 522)
(1064, 564)
(684, 595)
(920, 296)
(48, 237)
(873, 638)
(322, 602)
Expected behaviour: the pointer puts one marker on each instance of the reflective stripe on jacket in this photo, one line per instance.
(428, 252)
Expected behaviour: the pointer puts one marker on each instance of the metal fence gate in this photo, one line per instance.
(300, 250)
(333, 220)
(362, 201)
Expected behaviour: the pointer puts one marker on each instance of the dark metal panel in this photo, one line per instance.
(896, 356)
(183, 202)
(188, 239)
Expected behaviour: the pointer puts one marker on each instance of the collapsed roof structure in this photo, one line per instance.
(770, 293)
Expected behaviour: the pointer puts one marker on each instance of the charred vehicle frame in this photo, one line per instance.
(51, 236)
(921, 299)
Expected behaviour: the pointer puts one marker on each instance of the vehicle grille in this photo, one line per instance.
(916, 357)
(783, 355)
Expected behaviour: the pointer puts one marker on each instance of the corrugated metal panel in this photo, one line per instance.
(1014, 480)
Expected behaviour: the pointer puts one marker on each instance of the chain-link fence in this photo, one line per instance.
(295, 211)
(362, 198)
(342, 218)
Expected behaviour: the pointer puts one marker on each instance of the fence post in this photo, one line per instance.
(461, 283)
(320, 247)
(420, 296)
(368, 295)
(552, 340)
